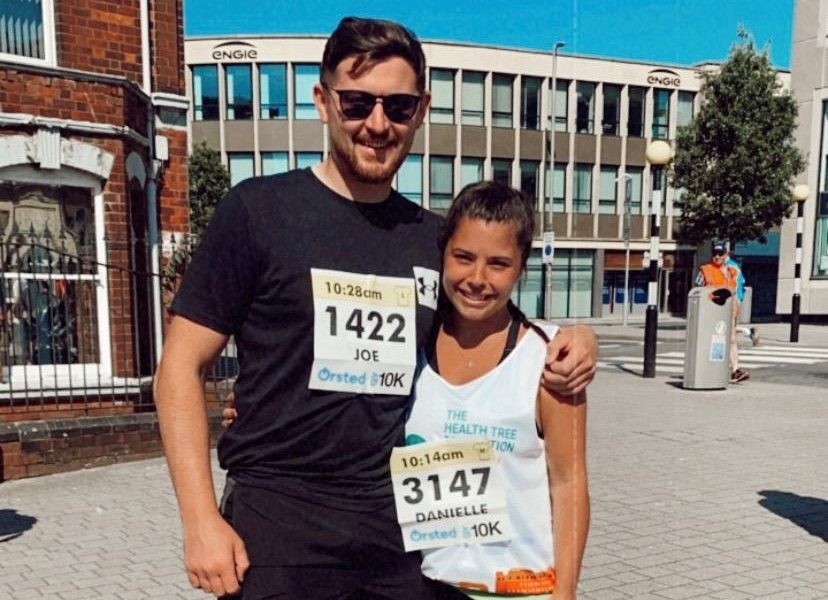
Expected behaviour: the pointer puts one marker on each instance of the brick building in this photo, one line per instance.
(93, 148)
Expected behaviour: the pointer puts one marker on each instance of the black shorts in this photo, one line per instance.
(298, 549)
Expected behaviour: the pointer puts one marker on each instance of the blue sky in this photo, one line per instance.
(672, 31)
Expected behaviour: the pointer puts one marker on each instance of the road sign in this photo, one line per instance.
(548, 253)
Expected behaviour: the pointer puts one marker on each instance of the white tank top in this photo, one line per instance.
(500, 406)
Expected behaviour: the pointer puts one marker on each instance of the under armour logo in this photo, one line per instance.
(427, 284)
(430, 287)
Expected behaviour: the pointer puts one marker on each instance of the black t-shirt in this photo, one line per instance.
(251, 278)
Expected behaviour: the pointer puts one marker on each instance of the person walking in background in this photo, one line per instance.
(716, 273)
(752, 332)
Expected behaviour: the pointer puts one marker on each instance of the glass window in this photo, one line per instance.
(305, 160)
(527, 293)
(273, 91)
(558, 184)
(304, 78)
(240, 166)
(585, 109)
(607, 196)
(661, 114)
(636, 178)
(410, 178)
(502, 170)
(530, 89)
(442, 96)
(49, 277)
(572, 283)
(678, 193)
(684, 110)
(26, 30)
(635, 105)
(529, 179)
(239, 92)
(472, 91)
(205, 93)
(471, 171)
(174, 117)
(274, 163)
(441, 182)
(502, 101)
(561, 108)
(582, 188)
(821, 239)
(612, 109)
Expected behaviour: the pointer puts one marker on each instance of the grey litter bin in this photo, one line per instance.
(706, 356)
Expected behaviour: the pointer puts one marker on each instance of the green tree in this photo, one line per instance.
(209, 182)
(736, 160)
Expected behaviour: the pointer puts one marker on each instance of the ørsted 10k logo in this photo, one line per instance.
(664, 77)
(235, 51)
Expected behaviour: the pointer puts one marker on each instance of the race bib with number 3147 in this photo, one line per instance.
(449, 492)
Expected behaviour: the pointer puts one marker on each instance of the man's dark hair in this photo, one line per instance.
(493, 201)
(371, 40)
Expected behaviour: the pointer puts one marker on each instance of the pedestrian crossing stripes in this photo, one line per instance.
(672, 363)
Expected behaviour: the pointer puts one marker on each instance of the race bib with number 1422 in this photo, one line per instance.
(364, 334)
(449, 492)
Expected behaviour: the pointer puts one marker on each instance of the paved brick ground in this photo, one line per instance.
(721, 496)
(718, 495)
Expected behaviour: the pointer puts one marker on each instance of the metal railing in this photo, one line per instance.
(77, 335)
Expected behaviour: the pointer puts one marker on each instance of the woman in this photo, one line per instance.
(481, 379)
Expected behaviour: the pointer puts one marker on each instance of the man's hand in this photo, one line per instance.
(571, 360)
(214, 556)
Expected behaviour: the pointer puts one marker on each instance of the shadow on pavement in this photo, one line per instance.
(809, 513)
(13, 524)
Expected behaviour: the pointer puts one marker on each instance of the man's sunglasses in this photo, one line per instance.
(358, 105)
(719, 252)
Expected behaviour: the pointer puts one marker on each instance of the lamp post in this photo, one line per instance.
(658, 154)
(626, 232)
(799, 194)
(547, 289)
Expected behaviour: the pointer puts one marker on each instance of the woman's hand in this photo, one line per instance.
(229, 413)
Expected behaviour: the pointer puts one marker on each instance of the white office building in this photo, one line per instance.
(809, 84)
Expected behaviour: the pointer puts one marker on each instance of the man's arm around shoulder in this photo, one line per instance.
(214, 554)
(571, 360)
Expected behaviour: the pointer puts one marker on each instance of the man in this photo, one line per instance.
(752, 332)
(328, 280)
(717, 273)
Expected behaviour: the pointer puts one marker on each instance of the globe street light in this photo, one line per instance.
(658, 154)
(547, 289)
(799, 194)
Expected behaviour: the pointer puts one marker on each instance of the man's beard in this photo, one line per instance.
(364, 171)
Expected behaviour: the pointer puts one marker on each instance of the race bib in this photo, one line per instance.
(449, 492)
(364, 333)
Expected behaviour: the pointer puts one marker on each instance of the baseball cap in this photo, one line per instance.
(719, 247)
